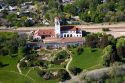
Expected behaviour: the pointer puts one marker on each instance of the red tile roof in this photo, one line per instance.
(63, 40)
(69, 28)
(71, 39)
(51, 32)
(46, 32)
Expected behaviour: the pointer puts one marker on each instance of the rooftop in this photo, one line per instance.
(71, 28)
(63, 40)
(45, 32)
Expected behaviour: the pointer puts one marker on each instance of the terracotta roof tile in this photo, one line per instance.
(46, 32)
(63, 40)
(71, 28)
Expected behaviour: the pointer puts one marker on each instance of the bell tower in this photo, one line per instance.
(57, 27)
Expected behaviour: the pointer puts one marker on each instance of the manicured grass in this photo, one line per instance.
(25, 70)
(90, 58)
(9, 62)
(13, 77)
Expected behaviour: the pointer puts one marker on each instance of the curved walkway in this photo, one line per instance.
(67, 66)
(18, 65)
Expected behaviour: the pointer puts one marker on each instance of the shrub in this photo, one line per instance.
(48, 76)
(61, 55)
(105, 29)
(41, 73)
(23, 64)
(75, 70)
(79, 50)
(63, 75)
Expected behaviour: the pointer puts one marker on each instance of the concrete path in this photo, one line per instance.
(68, 64)
(29, 71)
(18, 65)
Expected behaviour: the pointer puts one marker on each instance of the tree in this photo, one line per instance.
(85, 16)
(63, 75)
(61, 56)
(50, 14)
(107, 52)
(110, 17)
(29, 23)
(75, 70)
(21, 51)
(82, 5)
(12, 45)
(8, 43)
(121, 5)
(94, 3)
(98, 17)
(79, 50)
(5, 13)
(23, 64)
(41, 73)
(120, 16)
(12, 18)
(40, 11)
(71, 9)
(114, 74)
(112, 40)
(104, 41)
(120, 46)
(92, 40)
(48, 75)
(22, 40)
(53, 4)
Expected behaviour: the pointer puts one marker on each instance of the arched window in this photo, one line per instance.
(67, 35)
(64, 35)
(70, 35)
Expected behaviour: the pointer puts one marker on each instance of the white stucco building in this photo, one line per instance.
(58, 31)
(59, 36)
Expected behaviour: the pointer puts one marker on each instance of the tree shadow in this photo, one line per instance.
(4, 65)
(84, 33)
(93, 50)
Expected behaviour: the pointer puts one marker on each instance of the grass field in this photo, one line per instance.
(9, 73)
(33, 74)
(13, 77)
(88, 59)
(9, 62)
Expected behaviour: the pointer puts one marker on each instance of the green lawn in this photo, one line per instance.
(9, 73)
(10, 62)
(88, 59)
(33, 74)
(13, 77)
